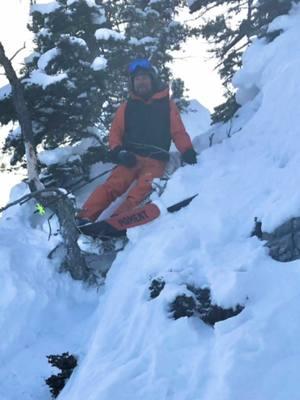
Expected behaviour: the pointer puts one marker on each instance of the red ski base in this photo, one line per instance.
(117, 225)
(136, 217)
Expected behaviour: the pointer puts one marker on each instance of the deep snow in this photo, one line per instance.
(128, 346)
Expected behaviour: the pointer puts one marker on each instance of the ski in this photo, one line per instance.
(181, 204)
(116, 226)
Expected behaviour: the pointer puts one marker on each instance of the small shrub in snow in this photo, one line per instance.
(66, 363)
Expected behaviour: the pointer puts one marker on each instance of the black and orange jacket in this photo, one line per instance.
(148, 127)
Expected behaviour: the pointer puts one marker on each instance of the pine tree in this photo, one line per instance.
(63, 79)
(140, 29)
(230, 25)
(77, 75)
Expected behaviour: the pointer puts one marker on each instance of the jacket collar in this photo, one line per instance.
(158, 95)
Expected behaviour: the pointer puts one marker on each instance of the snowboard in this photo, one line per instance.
(116, 226)
(101, 241)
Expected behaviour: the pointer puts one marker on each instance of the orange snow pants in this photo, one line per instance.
(118, 183)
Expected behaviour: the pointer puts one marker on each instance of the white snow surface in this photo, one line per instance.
(47, 57)
(41, 312)
(75, 39)
(143, 41)
(137, 351)
(45, 8)
(40, 78)
(99, 63)
(5, 91)
(128, 346)
(196, 119)
(106, 34)
(90, 3)
(62, 154)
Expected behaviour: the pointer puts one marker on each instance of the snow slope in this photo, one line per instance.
(128, 346)
(42, 312)
(137, 351)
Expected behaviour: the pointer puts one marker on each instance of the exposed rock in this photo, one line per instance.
(257, 231)
(284, 242)
(183, 306)
(199, 304)
(156, 287)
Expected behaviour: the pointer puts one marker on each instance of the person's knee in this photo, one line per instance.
(113, 188)
(145, 181)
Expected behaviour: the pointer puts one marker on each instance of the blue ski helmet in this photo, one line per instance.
(142, 65)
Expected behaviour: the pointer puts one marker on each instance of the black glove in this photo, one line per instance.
(123, 157)
(189, 156)
(127, 158)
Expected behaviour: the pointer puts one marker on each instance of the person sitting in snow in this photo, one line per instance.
(140, 139)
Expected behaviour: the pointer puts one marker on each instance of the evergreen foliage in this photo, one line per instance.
(66, 363)
(77, 75)
(63, 91)
(230, 25)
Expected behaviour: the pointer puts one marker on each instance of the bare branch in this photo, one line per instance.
(13, 203)
(29, 196)
(201, 13)
(17, 52)
(50, 227)
(52, 191)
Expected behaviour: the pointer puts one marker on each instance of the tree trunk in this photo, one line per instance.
(74, 261)
(24, 120)
(56, 201)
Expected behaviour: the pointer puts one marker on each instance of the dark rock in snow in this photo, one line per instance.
(199, 304)
(156, 287)
(183, 306)
(284, 242)
(257, 231)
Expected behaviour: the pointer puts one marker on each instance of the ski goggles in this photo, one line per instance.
(139, 63)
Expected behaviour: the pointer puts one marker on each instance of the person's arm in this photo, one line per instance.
(180, 136)
(116, 132)
(119, 155)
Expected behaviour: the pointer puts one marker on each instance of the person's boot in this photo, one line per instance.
(80, 222)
